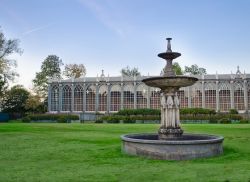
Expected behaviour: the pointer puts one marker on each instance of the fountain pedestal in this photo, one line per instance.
(170, 116)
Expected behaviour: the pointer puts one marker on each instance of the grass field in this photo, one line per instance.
(92, 152)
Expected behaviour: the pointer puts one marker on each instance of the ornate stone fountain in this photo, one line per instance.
(170, 143)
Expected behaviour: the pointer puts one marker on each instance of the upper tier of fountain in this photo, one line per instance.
(169, 80)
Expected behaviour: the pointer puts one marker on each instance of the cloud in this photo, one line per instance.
(36, 29)
(104, 15)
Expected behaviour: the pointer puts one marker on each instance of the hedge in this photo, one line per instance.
(210, 117)
(60, 118)
(196, 111)
(146, 111)
(216, 118)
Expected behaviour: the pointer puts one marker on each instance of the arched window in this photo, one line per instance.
(78, 98)
(238, 96)
(224, 96)
(115, 98)
(155, 98)
(66, 98)
(196, 96)
(103, 92)
(90, 98)
(210, 95)
(55, 98)
(128, 97)
(141, 96)
(183, 97)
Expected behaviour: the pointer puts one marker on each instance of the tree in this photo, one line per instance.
(74, 70)
(177, 68)
(7, 73)
(50, 69)
(195, 70)
(14, 100)
(130, 72)
(3, 86)
(34, 104)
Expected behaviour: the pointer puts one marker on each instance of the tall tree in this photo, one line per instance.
(195, 70)
(131, 72)
(14, 100)
(74, 70)
(7, 65)
(50, 69)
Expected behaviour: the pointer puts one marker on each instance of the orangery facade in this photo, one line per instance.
(221, 92)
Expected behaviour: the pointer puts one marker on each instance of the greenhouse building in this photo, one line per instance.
(104, 94)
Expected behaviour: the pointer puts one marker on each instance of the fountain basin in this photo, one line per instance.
(169, 55)
(186, 147)
(171, 81)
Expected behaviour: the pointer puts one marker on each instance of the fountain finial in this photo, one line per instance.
(169, 45)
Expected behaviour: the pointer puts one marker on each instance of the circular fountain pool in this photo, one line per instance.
(188, 146)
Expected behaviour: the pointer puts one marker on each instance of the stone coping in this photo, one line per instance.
(186, 139)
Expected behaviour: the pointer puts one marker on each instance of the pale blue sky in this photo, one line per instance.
(111, 34)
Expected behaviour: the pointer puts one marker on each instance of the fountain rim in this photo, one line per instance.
(212, 139)
(169, 77)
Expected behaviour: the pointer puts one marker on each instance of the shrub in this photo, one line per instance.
(26, 119)
(145, 111)
(244, 121)
(99, 121)
(62, 119)
(235, 117)
(233, 111)
(195, 111)
(225, 121)
(113, 119)
(128, 120)
(213, 121)
(53, 117)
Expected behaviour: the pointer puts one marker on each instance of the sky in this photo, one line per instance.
(113, 34)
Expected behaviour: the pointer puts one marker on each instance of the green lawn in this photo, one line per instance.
(92, 152)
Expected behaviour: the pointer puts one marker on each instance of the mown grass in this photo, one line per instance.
(92, 152)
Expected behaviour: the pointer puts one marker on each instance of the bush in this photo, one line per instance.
(233, 111)
(235, 117)
(60, 118)
(244, 121)
(99, 121)
(213, 121)
(225, 121)
(128, 120)
(195, 111)
(113, 119)
(145, 111)
(26, 119)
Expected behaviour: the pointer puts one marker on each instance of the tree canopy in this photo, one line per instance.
(131, 72)
(177, 68)
(50, 69)
(195, 70)
(14, 100)
(7, 65)
(74, 70)
(34, 104)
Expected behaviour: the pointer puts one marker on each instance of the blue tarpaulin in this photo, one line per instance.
(4, 117)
